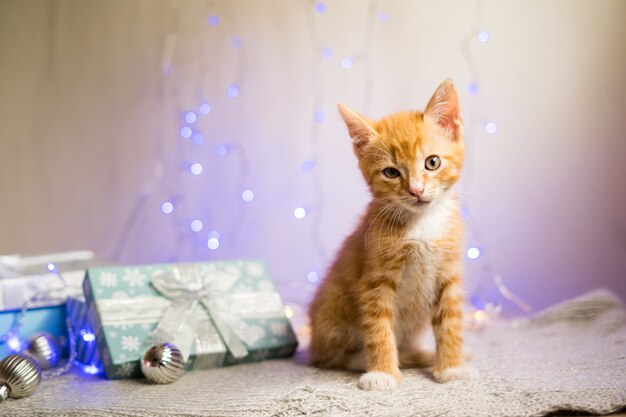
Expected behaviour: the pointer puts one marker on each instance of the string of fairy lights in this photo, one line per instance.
(190, 132)
(482, 310)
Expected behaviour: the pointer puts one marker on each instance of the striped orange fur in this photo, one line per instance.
(401, 267)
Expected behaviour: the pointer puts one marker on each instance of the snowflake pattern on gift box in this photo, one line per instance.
(125, 370)
(157, 272)
(278, 329)
(119, 295)
(206, 269)
(255, 269)
(251, 334)
(130, 343)
(123, 326)
(260, 354)
(266, 285)
(108, 279)
(285, 351)
(230, 360)
(243, 289)
(134, 278)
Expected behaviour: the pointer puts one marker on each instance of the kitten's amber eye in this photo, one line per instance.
(391, 172)
(433, 162)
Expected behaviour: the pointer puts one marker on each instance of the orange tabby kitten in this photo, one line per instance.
(402, 264)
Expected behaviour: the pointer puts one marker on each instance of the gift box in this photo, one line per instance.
(84, 338)
(216, 313)
(46, 312)
(12, 266)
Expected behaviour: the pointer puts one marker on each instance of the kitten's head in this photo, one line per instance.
(412, 158)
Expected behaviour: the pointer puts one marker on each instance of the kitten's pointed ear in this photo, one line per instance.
(445, 110)
(359, 127)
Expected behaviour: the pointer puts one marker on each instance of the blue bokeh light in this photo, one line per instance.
(307, 166)
(191, 117)
(299, 213)
(320, 116)
(327, 52)
(222, 150)
(232, 91)
(483, 36)
(491, 127)
(198, 138)
(14, 343)
(167, 207)
(89, 369)
(185, 132)
(196, 168)
(473, 253)
(237, 43)
(205, 109)
(247, 195)
(320, 7)
(346, 63)
(472, 88)
(214, 20)
(87, 336)
(313, 277)
(196, 225)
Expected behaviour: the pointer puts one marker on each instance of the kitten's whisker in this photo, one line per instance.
(381, 214)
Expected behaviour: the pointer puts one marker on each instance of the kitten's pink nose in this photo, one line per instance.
(416, 191)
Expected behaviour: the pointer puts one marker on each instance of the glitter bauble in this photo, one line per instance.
(20, 376)
(45, 349)
(163, 363)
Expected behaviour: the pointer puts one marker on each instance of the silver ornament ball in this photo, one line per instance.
(20, 375)
(163, 363)
(45, 349)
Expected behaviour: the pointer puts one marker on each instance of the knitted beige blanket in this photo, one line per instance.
(569, 357)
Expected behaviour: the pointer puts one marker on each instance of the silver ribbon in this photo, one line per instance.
(186, 290)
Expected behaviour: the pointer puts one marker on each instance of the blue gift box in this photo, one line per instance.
(45, 319)
(45, 315)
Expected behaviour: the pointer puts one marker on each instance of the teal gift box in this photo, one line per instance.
(217, 313)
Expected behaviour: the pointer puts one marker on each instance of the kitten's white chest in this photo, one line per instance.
(433, 223)
(417, 289)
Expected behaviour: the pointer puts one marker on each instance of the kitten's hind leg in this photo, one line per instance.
(417, 358)
(356, 362)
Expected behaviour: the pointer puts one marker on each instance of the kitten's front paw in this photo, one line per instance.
(378, 381)
(459, 373)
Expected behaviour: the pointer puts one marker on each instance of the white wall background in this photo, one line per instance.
(92, 97)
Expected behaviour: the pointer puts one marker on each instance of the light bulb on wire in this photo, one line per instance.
(299, 213)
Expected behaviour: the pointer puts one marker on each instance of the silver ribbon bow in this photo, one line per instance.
(186, 290)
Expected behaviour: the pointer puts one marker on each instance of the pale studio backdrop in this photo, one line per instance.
(94, 141)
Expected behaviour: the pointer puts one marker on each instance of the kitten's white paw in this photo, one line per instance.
(378, 381)
(459, 373)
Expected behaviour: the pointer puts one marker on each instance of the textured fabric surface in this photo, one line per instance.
(569, 357)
